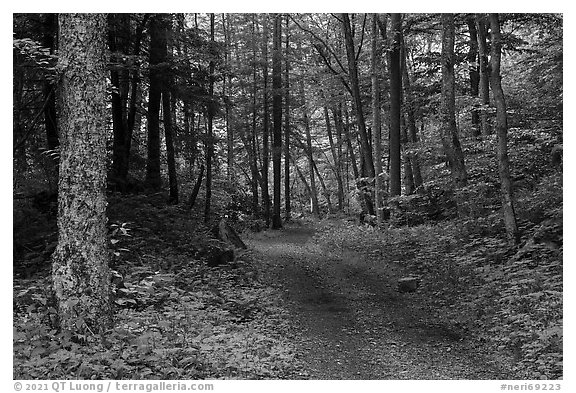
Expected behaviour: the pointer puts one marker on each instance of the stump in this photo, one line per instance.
(223, 231)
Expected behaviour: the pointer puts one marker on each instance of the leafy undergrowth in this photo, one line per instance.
(175, 318)
(509, 299)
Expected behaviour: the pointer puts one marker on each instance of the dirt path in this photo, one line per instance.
(352, 322)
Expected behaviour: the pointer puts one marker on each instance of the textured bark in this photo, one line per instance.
(409, 186)
(376, 122)
(153, 178)
(448, 129)
(484, 77)
(277, 119)
(80, 273)
(395, 104)
(502, 131)
(356, 97)
(287, 207)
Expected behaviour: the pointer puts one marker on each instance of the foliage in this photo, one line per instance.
(175, 318)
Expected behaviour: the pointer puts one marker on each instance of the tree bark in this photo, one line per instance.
(502, 131)
(80, 273)
(484, 77)
(277, 119)
(449, 131)
(153, 178)
(357, 99)
(376, 122)
(287, 197)
(395, 104)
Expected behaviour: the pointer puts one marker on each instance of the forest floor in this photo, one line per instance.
(350, 321)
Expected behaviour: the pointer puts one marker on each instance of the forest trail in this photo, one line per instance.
(352, 323)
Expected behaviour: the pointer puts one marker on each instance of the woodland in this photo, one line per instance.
(287, 196)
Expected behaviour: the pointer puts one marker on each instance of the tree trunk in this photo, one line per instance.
(277, 118)
(409, 186)
(210, 137)
(265, 128)
(153, 178)
(484, 77)
(134, 118)
(449, 131)
(227, 81)
(325, 190)
(376, 122)
(395, 104)
(167, 113)
(196, 189)
(287, 207)
(309, 154)
(357, 99)
(118, 44)
(336, 158)
(472, 58)
(502, 130)
(80, 273)
(410, 118)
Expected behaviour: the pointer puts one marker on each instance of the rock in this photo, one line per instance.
(408, 284)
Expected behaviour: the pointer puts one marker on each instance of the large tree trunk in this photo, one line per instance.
(277, 119)
(376, 122)
(484, 77)
(80, 273)
(395, 104)
(449, 131)
(287, 198)
(502, 131)
(157, 41)
(357, 99)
